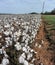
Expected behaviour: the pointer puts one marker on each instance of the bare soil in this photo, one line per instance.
(45, 54)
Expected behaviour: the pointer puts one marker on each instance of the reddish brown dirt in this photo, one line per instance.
(45, 56)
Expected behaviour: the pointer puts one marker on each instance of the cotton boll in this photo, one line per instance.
(15, 33)
(1, 51)
(6, 33)
(6, 55)
(3, 47)
(6, 45)
(12, 28)
(15, 18)
(22, 58)
(33, 60)
(29, 56)
(0, 20)
(7, 38)
(36, 44)
(25, 49)
(0, 36)
(18, 46)
(42, 64)
(23, 55)
(22, 24)
(7, 25)
(5, 61)
(26, 41)
(42, 42)
(10, 32)
(10, 42)
(23, 33)
(28, 48)
(26, 29)
(32, 50)
(18, 33)
(24, 37)
(4, 52)
(31, 64)
(26, 62)
(39, 46)
(35, 52)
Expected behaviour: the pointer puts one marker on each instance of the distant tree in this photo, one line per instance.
(53, 11)
(47, 13)
(33, 13)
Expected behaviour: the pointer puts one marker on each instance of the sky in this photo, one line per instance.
(25, 6)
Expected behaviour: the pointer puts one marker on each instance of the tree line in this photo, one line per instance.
(50, 13)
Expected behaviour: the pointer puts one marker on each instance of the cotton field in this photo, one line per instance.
(17, 33)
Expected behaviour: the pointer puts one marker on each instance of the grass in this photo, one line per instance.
(50, 20)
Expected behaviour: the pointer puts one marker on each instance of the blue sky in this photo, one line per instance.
(25, 6)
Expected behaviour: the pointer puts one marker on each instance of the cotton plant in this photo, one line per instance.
(22, 32)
